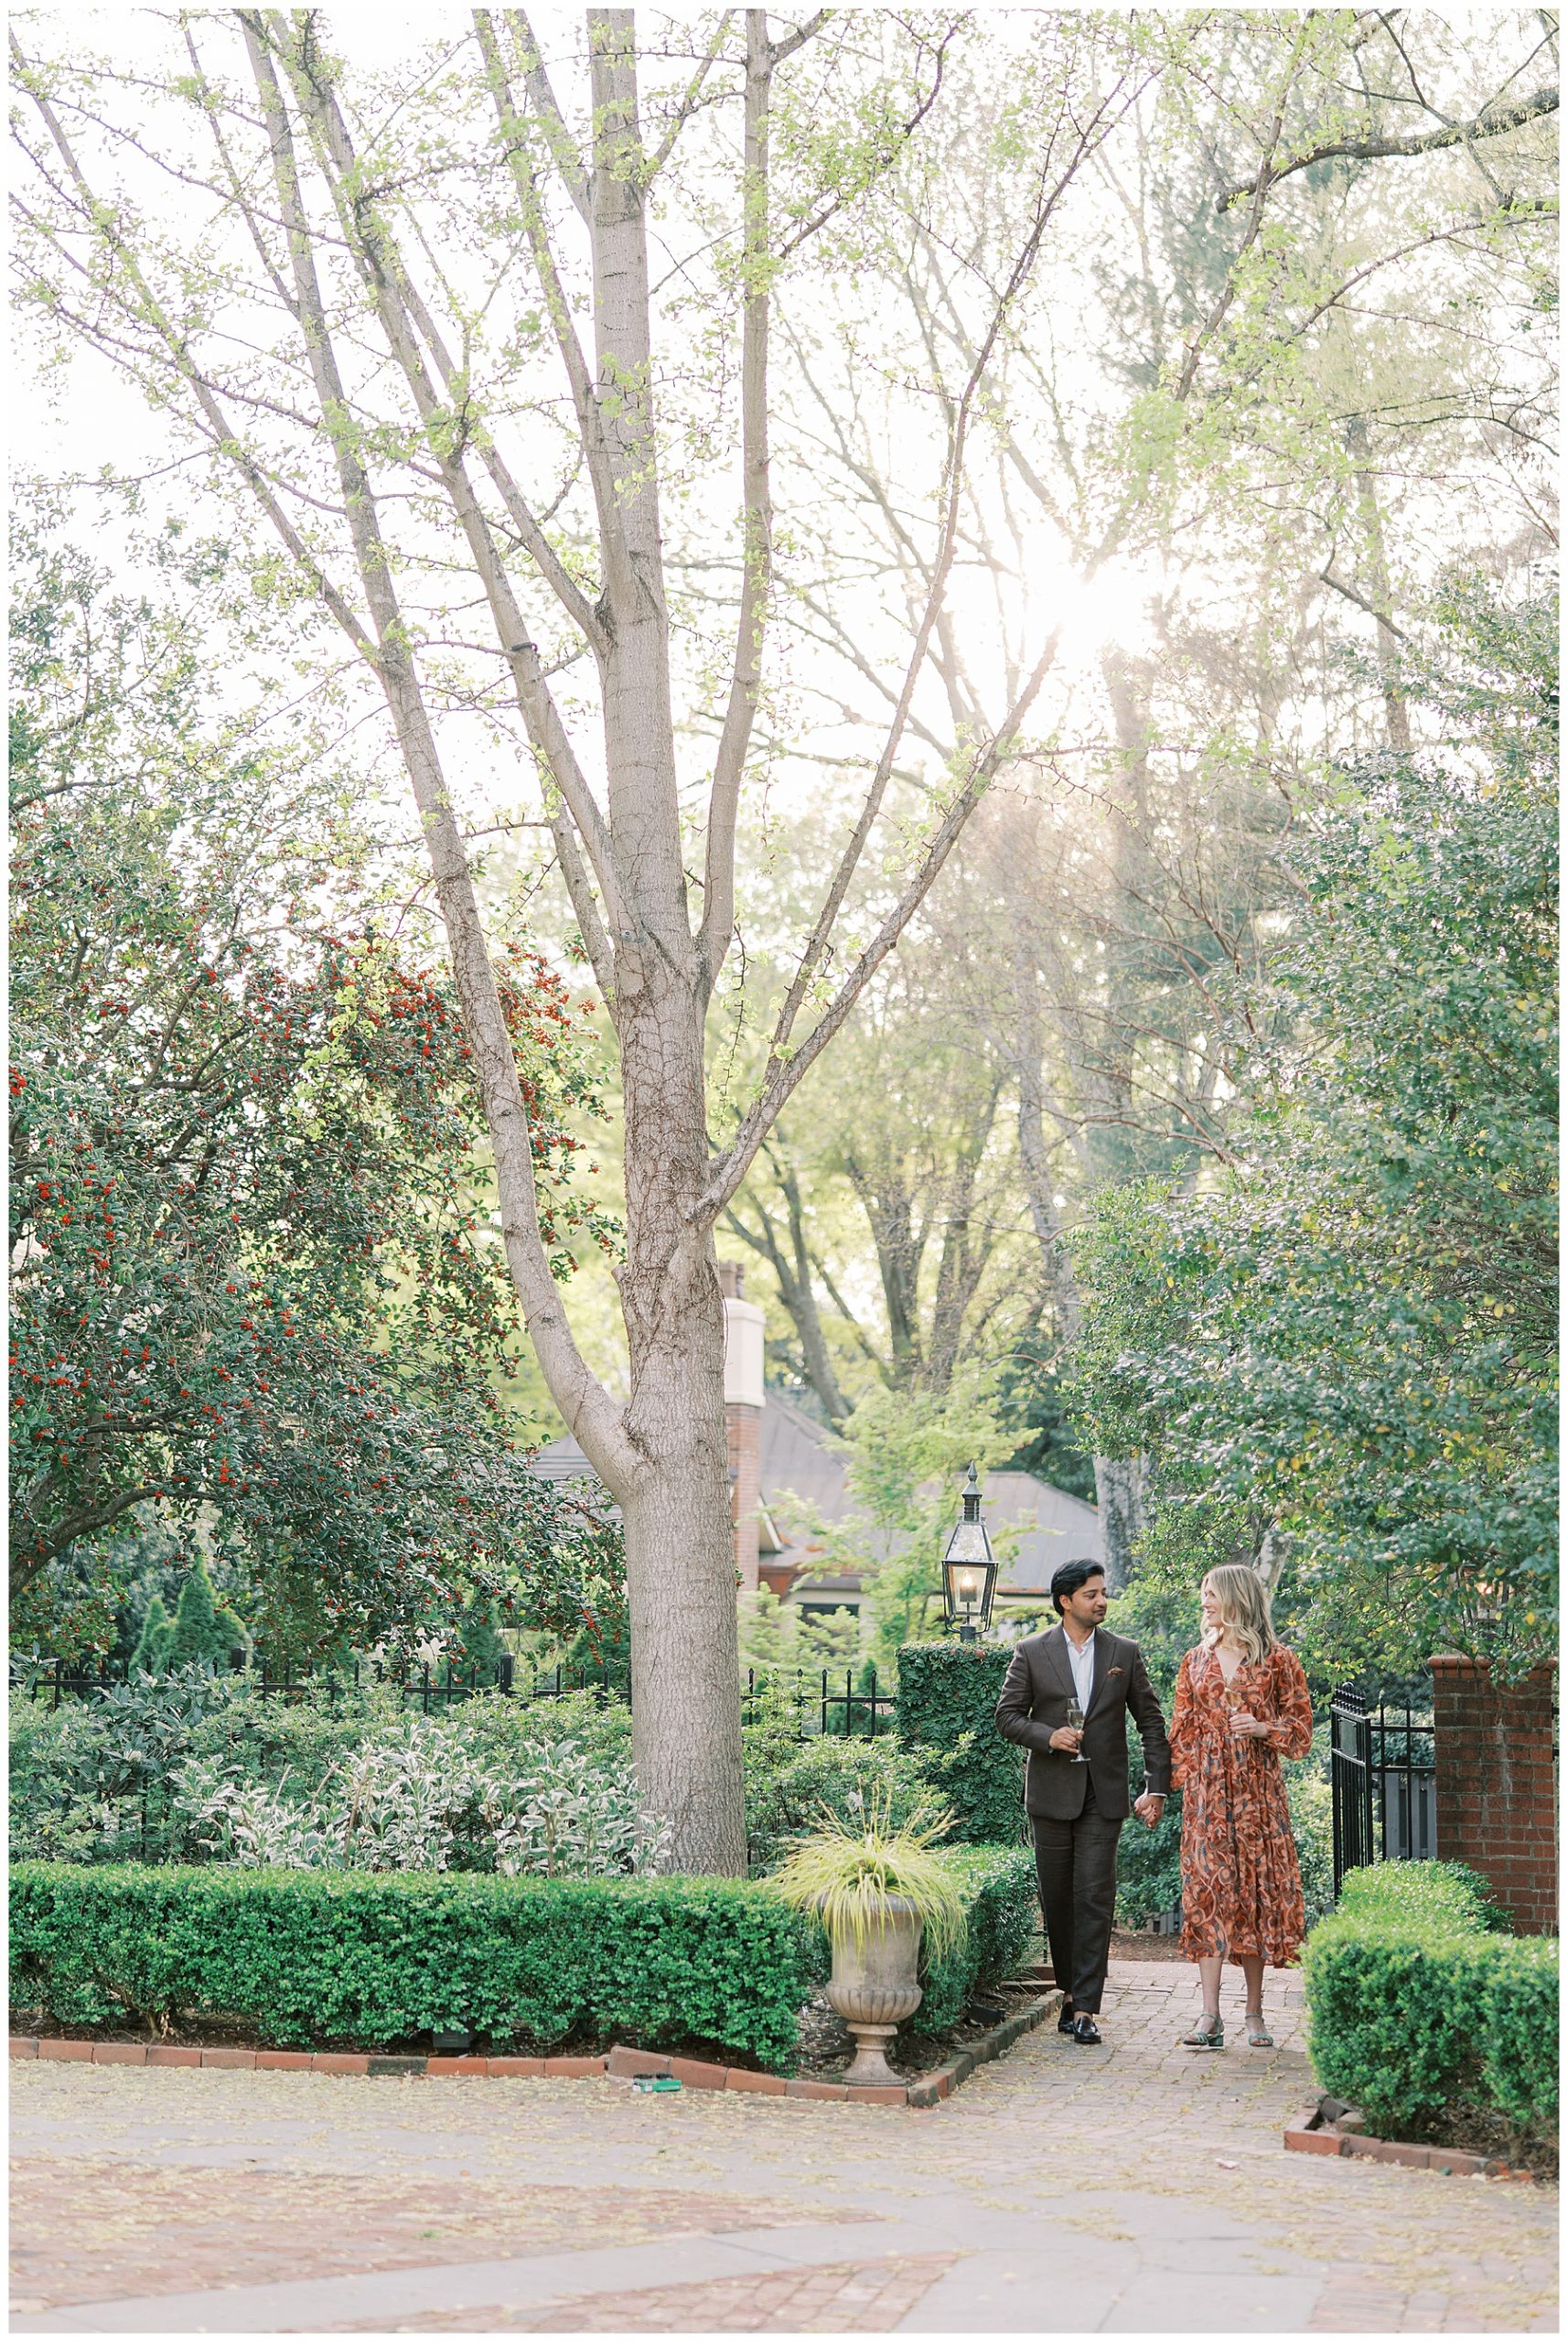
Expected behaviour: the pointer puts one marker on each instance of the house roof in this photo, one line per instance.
(803, 1474)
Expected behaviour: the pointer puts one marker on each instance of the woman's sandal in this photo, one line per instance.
(1258, 2034)
(1202, 2037)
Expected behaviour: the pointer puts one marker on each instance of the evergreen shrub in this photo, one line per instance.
(205, 1634)
(947, 1708)
(370, 1959)
(842, 1775)
(155, 1642)
(998, 1883)
(1418, 2001)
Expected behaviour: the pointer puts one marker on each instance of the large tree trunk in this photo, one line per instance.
(680, 1540)
(686, 1708)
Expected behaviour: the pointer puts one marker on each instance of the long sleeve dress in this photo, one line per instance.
(1240, 1881)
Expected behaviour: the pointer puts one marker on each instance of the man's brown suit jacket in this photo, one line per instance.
(1033, 1704)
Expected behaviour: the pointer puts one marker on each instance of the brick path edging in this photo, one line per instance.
(1332, 2128)
(619, 2063)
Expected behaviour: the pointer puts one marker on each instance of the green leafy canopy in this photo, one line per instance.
(1350, 1340)
(253, 1269)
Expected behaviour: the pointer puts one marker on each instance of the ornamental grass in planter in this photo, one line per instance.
(876, 1888)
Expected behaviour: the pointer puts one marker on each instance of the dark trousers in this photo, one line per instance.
(1076, 1862)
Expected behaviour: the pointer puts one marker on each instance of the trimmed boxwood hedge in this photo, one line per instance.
(1417, 2000)
(998, 1883)
(946, 1715)
(373, 1959)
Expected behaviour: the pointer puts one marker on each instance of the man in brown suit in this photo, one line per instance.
(1076, 1807)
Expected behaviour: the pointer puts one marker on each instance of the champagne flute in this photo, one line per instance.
(1075, 1723)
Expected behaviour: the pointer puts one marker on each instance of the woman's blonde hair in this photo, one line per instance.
(1244, 1608)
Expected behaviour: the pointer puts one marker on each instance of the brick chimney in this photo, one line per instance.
(742, 1415)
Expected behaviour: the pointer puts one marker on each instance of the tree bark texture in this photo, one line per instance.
(1119, 1494)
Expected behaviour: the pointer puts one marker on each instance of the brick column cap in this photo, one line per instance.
(1455, 1663)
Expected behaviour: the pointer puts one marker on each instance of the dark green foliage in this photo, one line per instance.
(1148, 1867)
(204, 1635)
(1029, 1396)
(1352, 1337)
(308, 1957)
(1159, 1612)
(155, 1642)
(1520, 2001)
(316, 1958)
(842, 1775)
(998, 1885)
(1416, 2001)
(947, 1707)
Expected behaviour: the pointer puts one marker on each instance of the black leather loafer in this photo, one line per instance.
(1066, 2022)
(1086, 2032)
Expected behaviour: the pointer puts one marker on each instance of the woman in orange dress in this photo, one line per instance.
(1242, 1704)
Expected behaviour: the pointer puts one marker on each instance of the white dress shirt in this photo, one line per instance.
(1080, 1659)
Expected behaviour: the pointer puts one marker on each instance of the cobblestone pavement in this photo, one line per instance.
(1135, 2188)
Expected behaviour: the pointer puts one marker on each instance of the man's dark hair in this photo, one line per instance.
(1069, 1577)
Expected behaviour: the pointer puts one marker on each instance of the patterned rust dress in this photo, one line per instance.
(1241, 1882)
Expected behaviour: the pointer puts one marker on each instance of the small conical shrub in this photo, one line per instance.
(151, 1656)
(231, 1636)
(482, 1646)
(203, 1635)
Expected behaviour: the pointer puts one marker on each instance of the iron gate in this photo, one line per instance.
(1383, 1773)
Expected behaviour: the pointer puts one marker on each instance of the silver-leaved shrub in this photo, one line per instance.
(419, 1798)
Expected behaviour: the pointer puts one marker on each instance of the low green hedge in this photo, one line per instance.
(998, 1886)
(1416, 2001)
(1421, 1894)
(372, 1958)
(947, 1717)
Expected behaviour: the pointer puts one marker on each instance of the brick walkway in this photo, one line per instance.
(1134, 2189)
(847, 2297)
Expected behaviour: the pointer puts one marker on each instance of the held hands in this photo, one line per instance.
(1246, 1727)
(1149, 1808)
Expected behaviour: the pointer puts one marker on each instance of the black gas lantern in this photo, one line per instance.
(969, 1569)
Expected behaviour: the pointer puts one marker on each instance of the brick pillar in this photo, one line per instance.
(1496, 1806)
(742, 1415)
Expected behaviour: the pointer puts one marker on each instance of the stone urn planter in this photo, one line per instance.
(878, 1889)
(874, 1985)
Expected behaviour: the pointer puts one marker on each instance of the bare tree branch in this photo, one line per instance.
(389, 286)
(784, 1076)
(589, 1409)
(683, 113)
(558, 138)
(1492, 122)
(757, 517)
(1048, 198)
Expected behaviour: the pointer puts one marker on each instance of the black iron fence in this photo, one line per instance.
(860, 1710)
(428, 1688)
(857, 1713)
(1383, 1774)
